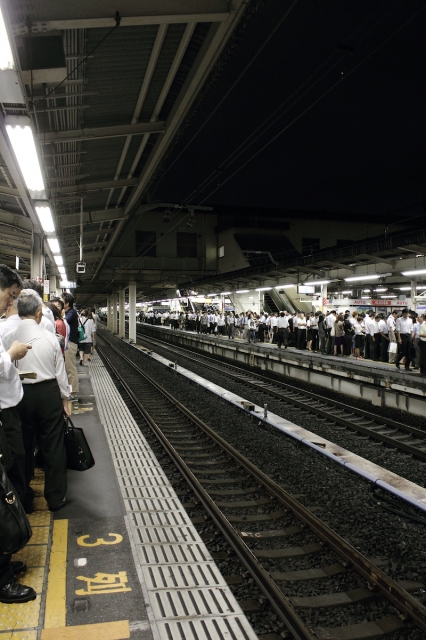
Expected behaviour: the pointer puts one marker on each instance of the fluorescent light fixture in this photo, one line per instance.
(315, 283)
(264, 289)
(45, 216)
(366, 297)
(212, 295)
(366, 291)
(355, 278)
(388, 297)
(347, 292)
(381, 289)
(416, 272)
(243, 291)
(285, 286)
(6, 56)
(62, 271)
(21, 136)
(226, 293)
(54, 245)
(59, 260)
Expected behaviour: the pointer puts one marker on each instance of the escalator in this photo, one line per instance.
(269, 303)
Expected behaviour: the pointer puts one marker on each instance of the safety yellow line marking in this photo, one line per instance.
(106, 630)
(55, 615)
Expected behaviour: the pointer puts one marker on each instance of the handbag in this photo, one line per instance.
(393, 347)
(79, 455)
(81, 332)
(15, 529)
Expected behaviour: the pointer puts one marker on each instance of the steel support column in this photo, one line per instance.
(53, 285)
(121, 313)
(108, 318)
(132, 312)
(413, 284)
(114, 312)
(36, 256)
(323, 306)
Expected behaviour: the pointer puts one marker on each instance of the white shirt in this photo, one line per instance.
(391, 323)
(274, 321)
(89, 327)
(46, 324)
(368, 324)
(383, 327)
(8, 325)
(11, 391)
(404, 326)
(282, 322)
(45, 357)
(48, 314)
(295, 322)
(416, 329)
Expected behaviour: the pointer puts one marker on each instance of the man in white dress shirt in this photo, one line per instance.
(45, 400)
(404, 331)
(11, 592)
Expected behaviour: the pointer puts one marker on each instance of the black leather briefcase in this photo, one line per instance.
(79, 456)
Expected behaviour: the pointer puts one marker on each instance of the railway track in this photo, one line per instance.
(391, 433)
(268, 528)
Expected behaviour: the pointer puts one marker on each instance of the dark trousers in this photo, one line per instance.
(384, 344)
(422, 363)
(301, 338)
(41, 412)
(6, 572)
(404, 349)
(261, 333)
(282, 337)
(372, 347)
(315, 340)
(348, 344)
(13, 430)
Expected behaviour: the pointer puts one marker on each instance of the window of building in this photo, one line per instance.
(221, 251)
(145, 244)
(309, 245)
(186, 245)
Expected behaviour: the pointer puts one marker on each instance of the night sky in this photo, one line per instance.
(360, 149)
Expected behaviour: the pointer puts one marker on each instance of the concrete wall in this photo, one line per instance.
(204, 227)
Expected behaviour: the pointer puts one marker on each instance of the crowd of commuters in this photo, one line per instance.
(39, 343)
(395, 338)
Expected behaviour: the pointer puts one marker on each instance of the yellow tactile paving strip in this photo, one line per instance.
(24, 621)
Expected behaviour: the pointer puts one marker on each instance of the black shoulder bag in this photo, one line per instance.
(15, 529)
(79, 455)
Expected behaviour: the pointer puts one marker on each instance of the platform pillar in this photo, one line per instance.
(36, 257)
(114, 310)
(413, 284)
(132, 312)
(324, 298)
(108, 313)
(121, 313)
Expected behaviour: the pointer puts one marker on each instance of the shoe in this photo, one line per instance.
(397, 366)
(18, 566)
(81, 363)
(61, 504)
(14, 593)
(414, 368)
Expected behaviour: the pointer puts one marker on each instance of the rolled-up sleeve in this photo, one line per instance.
(61, 375)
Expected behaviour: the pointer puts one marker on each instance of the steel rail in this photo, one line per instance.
(269, 588)
(387, 587)
(244, 377)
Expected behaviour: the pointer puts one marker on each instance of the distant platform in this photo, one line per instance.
(379, 383)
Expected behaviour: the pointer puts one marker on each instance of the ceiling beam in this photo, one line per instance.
(81, 14)
(213, 45)
(8, 191)
(99, 133)
(93, 186)
(90, 217)
(375, 258)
